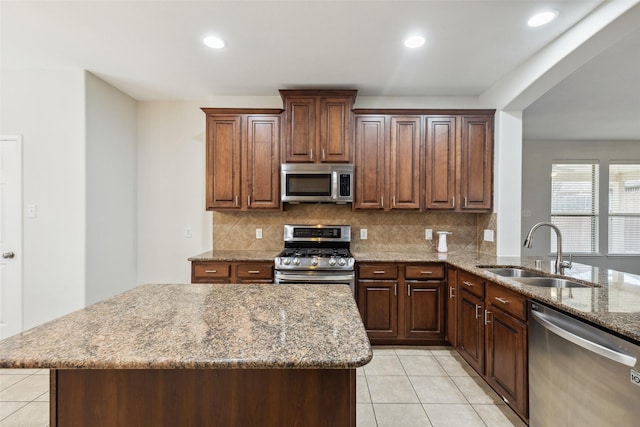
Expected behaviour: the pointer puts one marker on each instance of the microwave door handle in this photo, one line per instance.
(334, 184)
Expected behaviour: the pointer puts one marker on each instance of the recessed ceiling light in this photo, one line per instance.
(414, 42)
(214, 42)
(542, 18)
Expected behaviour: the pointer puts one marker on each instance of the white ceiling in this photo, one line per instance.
(152, 50)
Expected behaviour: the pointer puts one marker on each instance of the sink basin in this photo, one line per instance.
(513, 272)
(551, 282)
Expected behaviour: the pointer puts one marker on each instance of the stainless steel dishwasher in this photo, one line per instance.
(580, 375)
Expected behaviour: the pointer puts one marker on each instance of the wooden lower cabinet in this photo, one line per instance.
(506, 347)
(452, 306)
(492, 337)
(402, 303)
(231, 272)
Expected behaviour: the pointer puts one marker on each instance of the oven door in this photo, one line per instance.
(317, 277)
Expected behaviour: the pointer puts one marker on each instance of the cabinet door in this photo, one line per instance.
(471, 329)
(506, 358)
(300, 135)
(404, 163)
(476, 160)
(370, 168)
(254, 272)
(424, 310)
(378, 304)
(210, 272)
(452, 306)
(223, 162)
(262, 162)
(335, 129)
(440, 165)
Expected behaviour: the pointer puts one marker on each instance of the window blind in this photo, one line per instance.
(574, 206)
(624, 209)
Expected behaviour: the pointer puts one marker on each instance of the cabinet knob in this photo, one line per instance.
(8, 255)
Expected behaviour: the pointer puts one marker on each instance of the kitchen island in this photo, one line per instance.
(202, 355)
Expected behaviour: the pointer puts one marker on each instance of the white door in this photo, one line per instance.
(10, 235)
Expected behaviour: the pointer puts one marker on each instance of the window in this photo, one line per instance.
(624, 209)
(574, 206)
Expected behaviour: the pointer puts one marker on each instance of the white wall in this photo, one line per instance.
(111, 165)
(171, 167)
(47, 108)
(536, 191)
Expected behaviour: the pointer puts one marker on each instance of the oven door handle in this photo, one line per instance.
(302, 278)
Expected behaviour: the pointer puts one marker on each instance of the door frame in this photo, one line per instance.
(17, 298)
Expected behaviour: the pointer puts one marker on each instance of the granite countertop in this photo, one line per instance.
(238, 255)
(613, 300)
(201, 326)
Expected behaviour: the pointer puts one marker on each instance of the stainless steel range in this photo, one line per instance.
(316, 254)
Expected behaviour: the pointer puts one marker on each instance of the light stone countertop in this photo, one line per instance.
(613, 303)
(239, 255)
(201, 326)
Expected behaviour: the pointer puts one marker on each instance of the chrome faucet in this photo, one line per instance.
(560, 264)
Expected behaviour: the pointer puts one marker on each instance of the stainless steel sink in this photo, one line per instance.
(513, 272)
(551, 282)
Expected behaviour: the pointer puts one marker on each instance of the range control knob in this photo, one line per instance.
(332, 261)
(296, 261)
(342, 261)
(314, 261)
(286, 261)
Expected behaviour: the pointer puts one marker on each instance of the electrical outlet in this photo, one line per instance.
(188, 233)
(32, 211)
(428, 234)
(363, 234)
(488, 235)
(258, 233)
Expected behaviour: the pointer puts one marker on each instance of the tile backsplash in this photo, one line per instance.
(387, 231)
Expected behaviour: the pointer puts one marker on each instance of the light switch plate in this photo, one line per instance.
(488, 235)
(363, 234)
(258, 233)
(428, 234)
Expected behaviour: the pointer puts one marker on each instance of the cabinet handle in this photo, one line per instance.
(486, 317)
(451, 292)
(323, 154)
(426, 272)
(502, 300)
(454, 201)
(478, 311)
(236, 200)
(468, 283)
(395, 289)
(382, 201)
(393, 201)
(312, 154)
(465, 202)
(408, 290)
(379, 272)
(211, 271)
(248, 200)
(253, 271)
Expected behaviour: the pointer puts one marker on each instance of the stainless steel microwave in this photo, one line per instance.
(316, 182)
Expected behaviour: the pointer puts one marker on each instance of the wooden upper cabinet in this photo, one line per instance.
(476, 163)
(263, 162)
(318, 125)
(369, 163)
(223, 162)
(242, 159)
(440, 168)
(404, 163)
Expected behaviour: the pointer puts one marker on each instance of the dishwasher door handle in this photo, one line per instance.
(591, 346)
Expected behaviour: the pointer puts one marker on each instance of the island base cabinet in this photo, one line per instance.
(203, 397)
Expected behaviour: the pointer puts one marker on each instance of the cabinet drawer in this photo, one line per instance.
(424, 272)
(506, 300)
(471, 283)
(255, 271)
(378, 271)
(212, 270)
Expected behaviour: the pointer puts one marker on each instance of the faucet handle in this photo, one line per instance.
(568, 264)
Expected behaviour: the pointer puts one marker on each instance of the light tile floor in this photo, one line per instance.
(426, 386)
(419, 386)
